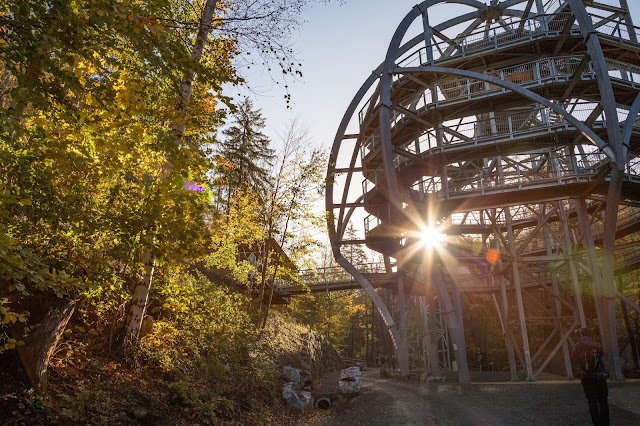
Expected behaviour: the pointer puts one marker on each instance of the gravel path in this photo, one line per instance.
(384, 401)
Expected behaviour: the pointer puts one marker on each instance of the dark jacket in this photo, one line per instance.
(585, 365)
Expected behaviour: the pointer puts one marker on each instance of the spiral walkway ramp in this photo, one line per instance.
(513, 130)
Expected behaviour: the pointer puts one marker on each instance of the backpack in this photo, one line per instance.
(591, 362)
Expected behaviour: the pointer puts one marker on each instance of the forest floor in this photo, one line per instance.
(490, 399)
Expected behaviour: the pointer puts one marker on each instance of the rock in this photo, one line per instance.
(362, 365)
(350, 372)
(431, 379)
(350, 380)
(307, 378)
(291, 396)
(292, 374)
(307, 399)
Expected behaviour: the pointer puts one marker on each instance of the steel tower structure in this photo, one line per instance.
(513, 129)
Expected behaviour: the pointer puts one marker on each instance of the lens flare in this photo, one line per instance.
(190, 186)
(492, 256)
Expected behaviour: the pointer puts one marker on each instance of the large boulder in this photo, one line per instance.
(350, 380)
(307, 399)
(292, 374)
(290, 395)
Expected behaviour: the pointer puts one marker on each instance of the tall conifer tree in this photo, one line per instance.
(248, 151)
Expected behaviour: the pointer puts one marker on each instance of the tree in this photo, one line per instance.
(141, 293)
(108, 111)
(247, 149)
(296, 186)
(87, 92)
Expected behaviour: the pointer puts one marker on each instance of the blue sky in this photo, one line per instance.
(339, 46)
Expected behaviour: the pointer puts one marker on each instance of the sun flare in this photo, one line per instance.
(432, 237)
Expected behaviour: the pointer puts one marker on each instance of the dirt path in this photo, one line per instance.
(397, 402)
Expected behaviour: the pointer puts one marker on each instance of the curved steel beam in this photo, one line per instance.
(336, 235)
(333, 236)
(347, 217)
(598, 61)
(584, 129)
(347, 185)
(393, 193)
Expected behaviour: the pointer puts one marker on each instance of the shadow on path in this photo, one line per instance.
(400, 402)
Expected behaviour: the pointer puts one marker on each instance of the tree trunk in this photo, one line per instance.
(141, 294)
(139, 303)
(273, 281)
(41, 342)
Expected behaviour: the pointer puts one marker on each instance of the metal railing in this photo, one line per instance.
(494, 129)
(539, 71)
(375, 219)
(557, 169)
(334, 274)
(511, 30)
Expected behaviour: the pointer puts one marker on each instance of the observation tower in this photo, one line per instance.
(510, 132)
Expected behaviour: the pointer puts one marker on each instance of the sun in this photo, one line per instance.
(432, 237)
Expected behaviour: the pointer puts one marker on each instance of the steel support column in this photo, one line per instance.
(518, 289)
(455, 328)
(402, 351)
(554, 281)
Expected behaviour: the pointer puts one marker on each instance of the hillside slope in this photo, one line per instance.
(92, 388)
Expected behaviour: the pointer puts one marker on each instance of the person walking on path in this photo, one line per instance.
(586, 359)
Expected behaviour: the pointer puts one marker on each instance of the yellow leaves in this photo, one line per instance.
(83, 68)
(12, 317)
(12, 344)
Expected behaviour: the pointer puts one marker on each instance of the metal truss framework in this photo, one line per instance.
(513, 129)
